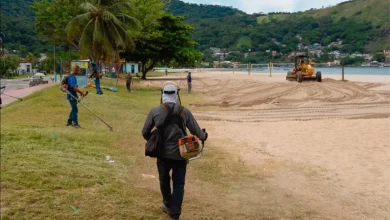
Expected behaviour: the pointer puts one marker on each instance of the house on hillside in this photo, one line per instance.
(316, 45)
(367, 57)
(317, 53)
(25, 68)
(215, 49)
(387, 56)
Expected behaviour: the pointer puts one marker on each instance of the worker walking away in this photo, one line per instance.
(163, 117)
(71, 86)
(129, 81)
(189, 82)
(166, 72)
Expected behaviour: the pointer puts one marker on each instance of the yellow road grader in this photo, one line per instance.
(303, 70)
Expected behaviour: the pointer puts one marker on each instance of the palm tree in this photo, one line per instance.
(102, 30)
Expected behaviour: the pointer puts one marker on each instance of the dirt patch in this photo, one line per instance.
(326, 144)
(224, 104)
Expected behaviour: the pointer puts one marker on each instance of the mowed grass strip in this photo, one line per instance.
(50, 171)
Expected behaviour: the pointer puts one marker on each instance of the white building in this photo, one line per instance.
(25, 68)
(131, 67)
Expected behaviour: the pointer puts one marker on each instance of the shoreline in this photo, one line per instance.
(281, 77)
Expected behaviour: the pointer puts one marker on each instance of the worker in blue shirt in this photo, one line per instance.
(74, 89)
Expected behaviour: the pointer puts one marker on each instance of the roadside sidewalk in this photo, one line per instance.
(21, 93)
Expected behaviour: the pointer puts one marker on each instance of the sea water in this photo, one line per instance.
(382, 71)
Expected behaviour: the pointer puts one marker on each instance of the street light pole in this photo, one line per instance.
(54, 60)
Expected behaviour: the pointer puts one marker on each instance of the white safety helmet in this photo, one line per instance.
(169, 92)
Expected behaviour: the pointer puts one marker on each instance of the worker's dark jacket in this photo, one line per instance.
(172, 132)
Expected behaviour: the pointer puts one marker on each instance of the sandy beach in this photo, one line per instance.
(326, 144)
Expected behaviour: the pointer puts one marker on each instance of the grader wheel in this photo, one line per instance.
(299, 77)
(319, 76)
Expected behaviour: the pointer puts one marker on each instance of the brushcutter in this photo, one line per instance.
(201, 150)
(79, 101)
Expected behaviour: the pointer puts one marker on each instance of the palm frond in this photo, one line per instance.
(88, 7)
(98, 34)
(76, 24)
(119, 6)
(86, 39)
(129, 21)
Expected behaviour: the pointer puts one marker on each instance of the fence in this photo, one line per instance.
(277, 68)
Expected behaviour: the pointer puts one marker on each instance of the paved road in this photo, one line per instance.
(15, 84)
(20, 88)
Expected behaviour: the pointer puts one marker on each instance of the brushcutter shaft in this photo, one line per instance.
(79, 101)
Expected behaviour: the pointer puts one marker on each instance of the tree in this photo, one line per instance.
(352, 61)
(32, 58)
(380, 57)
(51, 17)
(102, 29)
(170, 42)
(7, 64)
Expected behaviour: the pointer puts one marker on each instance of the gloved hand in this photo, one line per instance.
(84, 93)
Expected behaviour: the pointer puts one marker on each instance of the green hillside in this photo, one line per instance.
(17, 23)
(375, 11)
(361, 11)
(362, 25)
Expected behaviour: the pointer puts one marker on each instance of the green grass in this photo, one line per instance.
(267, 18)
(46, 167)
(244, 41)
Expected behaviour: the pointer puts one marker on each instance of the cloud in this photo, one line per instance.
(265, 6)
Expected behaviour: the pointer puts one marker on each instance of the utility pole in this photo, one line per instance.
(54, 60)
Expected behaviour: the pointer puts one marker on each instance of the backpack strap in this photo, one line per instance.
(170, 112)
(183, 128)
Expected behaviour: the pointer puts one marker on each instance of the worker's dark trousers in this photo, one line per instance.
(172, 199)
(73, 112)
(98, 88)
(128, 87)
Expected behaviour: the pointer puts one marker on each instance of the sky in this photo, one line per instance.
(265, 6)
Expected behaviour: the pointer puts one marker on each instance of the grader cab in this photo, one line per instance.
(303, 70)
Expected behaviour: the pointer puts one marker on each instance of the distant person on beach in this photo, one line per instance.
(129, 81)
(189, 82)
